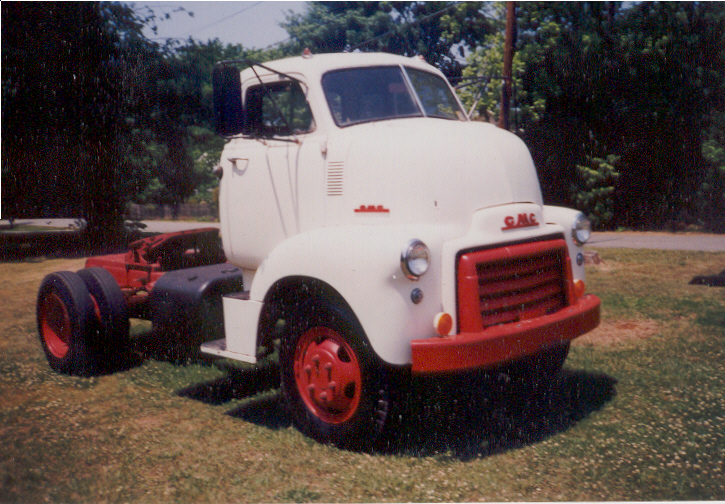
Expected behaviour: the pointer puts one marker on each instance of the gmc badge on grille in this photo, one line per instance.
(524, 220)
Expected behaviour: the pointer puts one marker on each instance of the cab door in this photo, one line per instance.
(264, 188)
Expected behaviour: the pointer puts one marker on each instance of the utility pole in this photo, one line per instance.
(508, 55)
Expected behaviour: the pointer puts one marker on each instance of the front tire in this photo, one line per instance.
(334, 386)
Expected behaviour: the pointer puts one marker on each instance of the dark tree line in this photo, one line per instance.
(95, 115)
(622, 105)
(639, 86)
(62, 100)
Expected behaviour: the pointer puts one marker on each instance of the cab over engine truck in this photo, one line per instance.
(367, 225)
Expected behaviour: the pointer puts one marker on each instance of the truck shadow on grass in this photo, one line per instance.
(459, 417)
(477, 415)
(244, 384)
(256, 386)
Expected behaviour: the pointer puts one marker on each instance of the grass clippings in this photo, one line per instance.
(637, 414)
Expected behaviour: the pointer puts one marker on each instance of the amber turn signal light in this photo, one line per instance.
(443, 323)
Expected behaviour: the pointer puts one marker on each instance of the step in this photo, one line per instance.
(219, 348)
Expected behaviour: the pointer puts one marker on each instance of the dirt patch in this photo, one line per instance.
(618, 332)
(148, 422)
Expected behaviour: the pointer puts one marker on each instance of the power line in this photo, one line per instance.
(418, 21)
(226, 18)
(270, 46)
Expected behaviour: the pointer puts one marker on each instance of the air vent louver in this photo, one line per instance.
(335, 173)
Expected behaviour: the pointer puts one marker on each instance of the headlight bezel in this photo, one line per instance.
(415, 259)
(581, 230)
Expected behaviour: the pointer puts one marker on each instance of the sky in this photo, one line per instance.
(252, 24)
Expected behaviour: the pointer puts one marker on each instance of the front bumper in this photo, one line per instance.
(503, 343)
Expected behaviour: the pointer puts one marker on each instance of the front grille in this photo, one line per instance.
(510, 284)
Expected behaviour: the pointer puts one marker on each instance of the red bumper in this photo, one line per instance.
(503, 343)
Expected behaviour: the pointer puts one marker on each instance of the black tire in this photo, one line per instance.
(112, 328)
(66, 321)
(334, 387)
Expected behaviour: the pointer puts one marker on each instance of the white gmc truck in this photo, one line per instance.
(367, 226)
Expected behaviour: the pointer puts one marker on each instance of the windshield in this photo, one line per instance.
(375, 93)
(434, 94)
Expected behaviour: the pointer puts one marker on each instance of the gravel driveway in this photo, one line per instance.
(659, 241)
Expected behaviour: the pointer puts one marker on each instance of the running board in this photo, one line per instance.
(219, 348)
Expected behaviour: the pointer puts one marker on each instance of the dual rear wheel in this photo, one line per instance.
(82, 321)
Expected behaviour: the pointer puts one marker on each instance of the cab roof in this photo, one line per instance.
(314, 66)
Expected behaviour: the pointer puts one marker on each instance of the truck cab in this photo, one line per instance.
(373, 227)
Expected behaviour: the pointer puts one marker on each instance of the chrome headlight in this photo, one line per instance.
(415, 259)
(581, 230)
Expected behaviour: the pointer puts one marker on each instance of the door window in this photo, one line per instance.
(278, 109)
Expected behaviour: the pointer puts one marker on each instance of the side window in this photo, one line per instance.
(280, 110)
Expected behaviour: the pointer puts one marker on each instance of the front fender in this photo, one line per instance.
(362, 263)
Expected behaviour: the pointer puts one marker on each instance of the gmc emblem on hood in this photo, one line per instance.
(523, 221)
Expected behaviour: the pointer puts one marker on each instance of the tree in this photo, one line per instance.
(639, 82)
(171, 140)
(430, 29)
(62, 111)
(336, 26)
(675, 53)
(594, 191)
(482, 76)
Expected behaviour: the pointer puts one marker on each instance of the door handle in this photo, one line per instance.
(239, 165)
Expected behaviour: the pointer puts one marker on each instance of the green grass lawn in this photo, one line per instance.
(637, 414)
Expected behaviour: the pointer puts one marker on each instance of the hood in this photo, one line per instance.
(432, 170)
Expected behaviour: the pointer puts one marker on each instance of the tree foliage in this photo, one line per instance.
(638, 82)
(432, 30)
(62, 108)
(594, 190)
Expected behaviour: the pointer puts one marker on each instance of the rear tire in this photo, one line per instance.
(112, 328)
(65, 317)
(333, 385)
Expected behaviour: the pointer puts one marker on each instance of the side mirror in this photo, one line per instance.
(228, 110)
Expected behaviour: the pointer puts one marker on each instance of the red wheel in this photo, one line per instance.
(66, 321)
(55, 325)
(335, 388)
(328, 375)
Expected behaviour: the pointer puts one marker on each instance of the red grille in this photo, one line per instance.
(511, 284)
